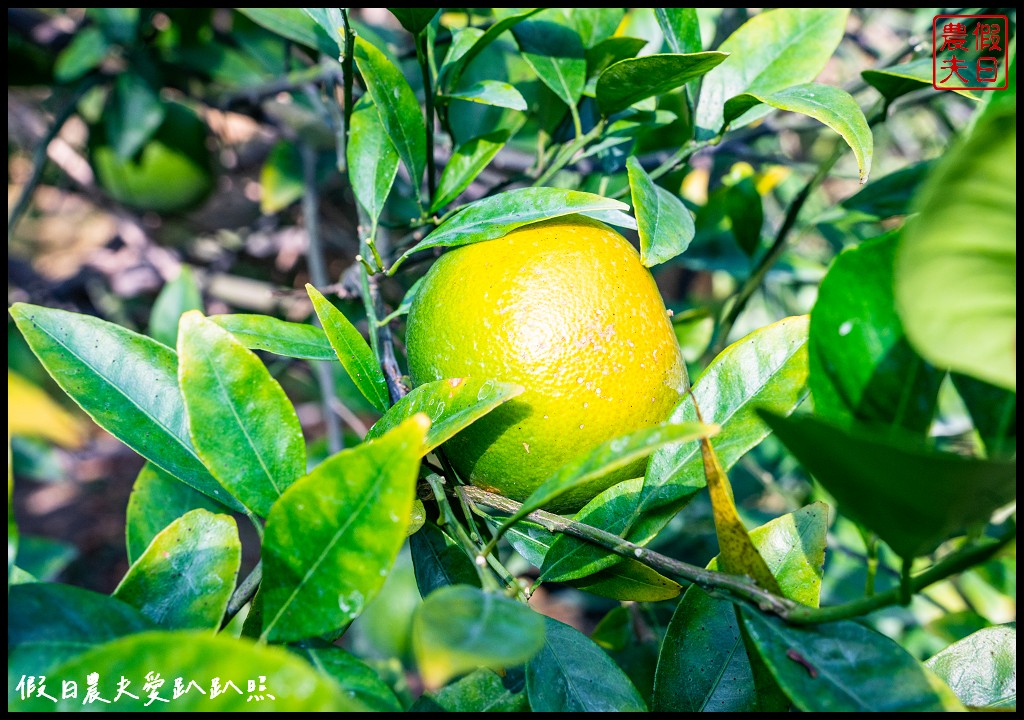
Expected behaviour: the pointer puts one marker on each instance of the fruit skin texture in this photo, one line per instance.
(565, 309)
(172, 171)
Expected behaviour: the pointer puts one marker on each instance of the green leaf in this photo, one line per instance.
(490, 92)
(844, 666)
(175, 299)
(994, 412)
(615, 630)
(892, 82)
(397, 105)
(829, 105)
(982, 668)
(119, 25)
(634, 79)
(49, 624)
(293, 24)
(862, 367)
(452, 405)
(354, 676)
(289, 683)
(610, 51)
(372, 159)
(126, 382)
(911, 496)
(630, 581)
(890, 195)
(158, 499)
(186, 576)
(665, 224)
(572, 673)
(86, 51)
(956, 276)
(134, 113)
(462, 628)
(608, 457)
(474, 44)
(43, 559)
(681, 29)
(439, 561)
(555, 52)
(745, 211)
(770, 52)
(703, 664)
(496, 216)
(241, 422)
(281, 178)
(766, 369)
(468, 160)
(415, 20)
(332, 537)
(352, 350)
(331, 22)
(262, 332)
(480, 691)
(595, 24)
(737, 554)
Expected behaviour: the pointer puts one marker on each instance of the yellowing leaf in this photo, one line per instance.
(30, 411)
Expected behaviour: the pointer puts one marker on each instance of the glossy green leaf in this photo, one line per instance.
(331, 22)
(127, 383)
(352, 350)
(474, 44)
(262, 332)
(281, 178)
(134, 113)
(994, 413)
(634, 79)
(490, 92)
(186, 576)
(242, 424)
(497, 215)
(480, 691)
(50, 624)
(158, 499)
(982, 668)
(200, 657)
(397, 105)
(332, 537)
(451, 405)
(703, 664)
(844, 666)
(862, 369)
(355, 677)
(681, 29)
(555, 52)
(85, 52)
(630, 581)
(890, 195)
(175, 299)
(372, 159)
(468, 160)
(664, 222)
(439, 561)
(608, 457)
(745, 211)
(911, 496)
(415, 20)
(403, 307)
(43, 559)
(572, 673)
(462, 628)
(956, 275)
(295, 25)
(892, 82)
(829, 105)
(595, 24)
(612, 50)
(772, 51)
(766, 369)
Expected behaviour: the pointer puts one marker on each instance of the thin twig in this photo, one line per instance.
(428, 93)
(243, 593)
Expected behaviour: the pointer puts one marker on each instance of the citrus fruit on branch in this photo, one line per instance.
(565, 309)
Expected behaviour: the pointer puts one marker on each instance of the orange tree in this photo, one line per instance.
(541, 437)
